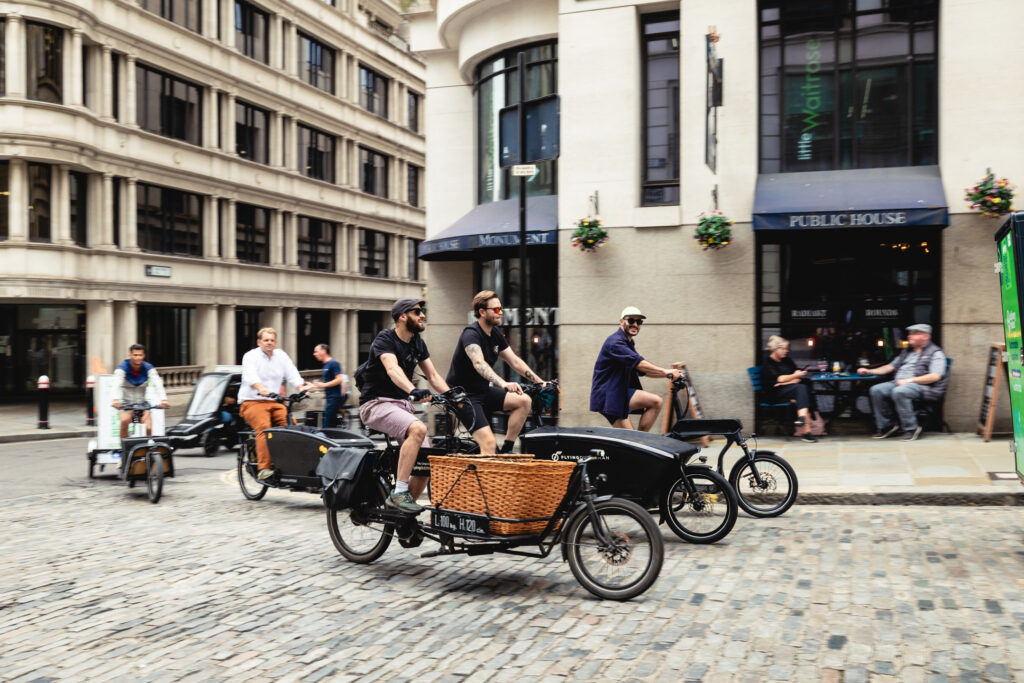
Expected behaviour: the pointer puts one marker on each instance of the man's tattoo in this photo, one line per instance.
(532, 376)
(476, 355)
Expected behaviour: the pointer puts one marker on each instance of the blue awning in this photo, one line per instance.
(861, 198)
(494, 225)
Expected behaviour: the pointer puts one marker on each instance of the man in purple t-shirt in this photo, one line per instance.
(615, 388)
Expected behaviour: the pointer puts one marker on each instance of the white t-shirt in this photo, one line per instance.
(270, 372)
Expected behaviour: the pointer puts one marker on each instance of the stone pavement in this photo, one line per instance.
(99, 584)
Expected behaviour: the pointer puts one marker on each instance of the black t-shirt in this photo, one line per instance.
(462, 373)
(772, 369)
(377, 383)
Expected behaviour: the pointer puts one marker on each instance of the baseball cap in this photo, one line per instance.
(404, 306)
(632, 311)
(920, 327)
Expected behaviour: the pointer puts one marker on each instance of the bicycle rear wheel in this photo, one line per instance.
(356, 534)
(247, 481)
(628, 562)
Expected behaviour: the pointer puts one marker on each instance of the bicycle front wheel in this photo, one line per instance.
(776, 491)
(705, 513)
(627, 562)
(247, 481)
(154, 476)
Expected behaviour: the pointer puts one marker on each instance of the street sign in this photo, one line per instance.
(525, 170)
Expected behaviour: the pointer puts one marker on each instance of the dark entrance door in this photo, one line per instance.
(847, 295)
(42, 339)
(314, 328)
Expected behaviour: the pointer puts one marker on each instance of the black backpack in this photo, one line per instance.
(360, 374)
(346, 474)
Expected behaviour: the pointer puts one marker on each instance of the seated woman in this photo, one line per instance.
(785, 383)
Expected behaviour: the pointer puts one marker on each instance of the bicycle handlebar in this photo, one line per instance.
(451, 399)
(537, 387)
(290, 399)
(139, 406)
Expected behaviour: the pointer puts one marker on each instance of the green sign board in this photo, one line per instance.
(1008, 237)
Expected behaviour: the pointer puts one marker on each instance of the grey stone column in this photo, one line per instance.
(207, 335)
(99, 334)
(287, 336)
(276, 148)
(130, 111)
(226, 343)
(106, 89)
(353, 248)
(272, 317)
(17, 201)
(351, 356)
(211, 226)
(130, 224)
(60, 208)
(341, 240)
(228, 123)
(276, 240)
(15, 50)
(106, 215)
(339, 339)
(211, 138)
(228, 230)
(291, 239)
(126, 327)
(291, 142)
(227, 23)
(276, 46)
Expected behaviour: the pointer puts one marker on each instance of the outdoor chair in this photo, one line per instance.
(780, 414)
(930, 413)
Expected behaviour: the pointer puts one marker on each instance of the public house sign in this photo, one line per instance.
(850, 219)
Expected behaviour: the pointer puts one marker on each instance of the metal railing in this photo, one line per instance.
(180, 375)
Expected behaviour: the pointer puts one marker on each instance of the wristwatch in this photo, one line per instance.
(668, 375)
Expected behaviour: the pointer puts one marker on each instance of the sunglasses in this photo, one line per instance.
(417, 311)
(496, 309)
(634, 321)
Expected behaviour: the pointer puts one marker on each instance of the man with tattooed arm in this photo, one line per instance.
(479, 347)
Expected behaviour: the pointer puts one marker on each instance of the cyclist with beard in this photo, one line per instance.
(479, 347)
(387, 393)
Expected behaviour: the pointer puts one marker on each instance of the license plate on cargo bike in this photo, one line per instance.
(460, 522)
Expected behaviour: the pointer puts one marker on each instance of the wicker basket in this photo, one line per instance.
(516, 487)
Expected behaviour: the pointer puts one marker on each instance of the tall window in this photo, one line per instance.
(413, 106)
(660, 45)
(252, 226)
(251, 34)
(252, 132)
(185, 13)
(316, 244)
(373, 172)
(316, 63)
(373, 91)
(413, 184)
(497, 86)
(5, 199)
(115, 85)
(170, 221)
(845, 87)
(167, 333)
(44, 61)
(85, 75)
(78, 200)
(3, 58)
(412, 247)
(168, 105)
(316, 153)
(40, 187)
(373, 253)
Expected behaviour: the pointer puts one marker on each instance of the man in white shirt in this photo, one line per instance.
(264, 370)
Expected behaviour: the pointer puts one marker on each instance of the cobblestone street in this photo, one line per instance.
(98, 583)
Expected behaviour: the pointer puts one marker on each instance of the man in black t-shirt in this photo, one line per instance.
(387, 392)
(479, 347)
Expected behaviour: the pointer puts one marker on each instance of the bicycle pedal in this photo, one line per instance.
(703, 458)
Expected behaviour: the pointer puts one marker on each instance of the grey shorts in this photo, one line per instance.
(391, 416)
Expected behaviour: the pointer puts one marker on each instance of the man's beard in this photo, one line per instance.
(413, 326)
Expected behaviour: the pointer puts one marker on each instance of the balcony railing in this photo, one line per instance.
(180, 375)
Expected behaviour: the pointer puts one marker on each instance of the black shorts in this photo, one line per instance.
(482, 407)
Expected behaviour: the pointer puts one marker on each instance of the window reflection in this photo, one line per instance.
(497, 86)
(44, 62)
(39, 188)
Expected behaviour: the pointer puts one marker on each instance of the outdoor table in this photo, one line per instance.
(844, 388)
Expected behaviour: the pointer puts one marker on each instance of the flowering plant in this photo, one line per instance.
(993, 197)
(589, 235)
(713, 231)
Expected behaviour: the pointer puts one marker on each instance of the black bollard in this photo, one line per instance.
(90, 405)
(43, 384)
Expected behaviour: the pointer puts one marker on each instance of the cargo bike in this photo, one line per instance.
(138, 457)
(481, 505)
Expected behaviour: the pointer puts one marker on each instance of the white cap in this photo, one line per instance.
(632, 311)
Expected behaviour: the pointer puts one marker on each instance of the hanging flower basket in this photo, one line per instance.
(713, 231)
(993, 197)
(589, 235)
